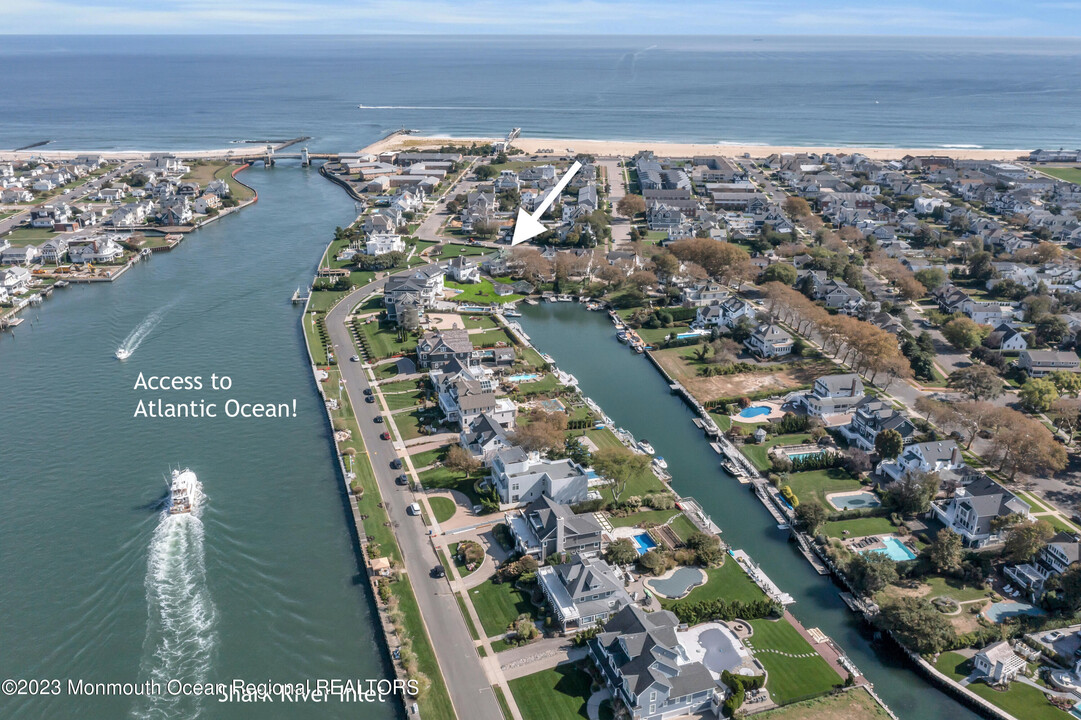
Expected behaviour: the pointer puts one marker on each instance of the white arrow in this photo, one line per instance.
(527, 226)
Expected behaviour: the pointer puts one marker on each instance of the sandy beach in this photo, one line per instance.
(627, 148)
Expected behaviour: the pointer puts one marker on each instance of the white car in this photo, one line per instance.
(413, 509)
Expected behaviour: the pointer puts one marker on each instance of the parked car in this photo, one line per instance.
(378, 418)
(385, 436)
(355, 358)
(438, 571)
(367, 391)
(413, 509)
(369, 399)
(401, 480)
(396, 464)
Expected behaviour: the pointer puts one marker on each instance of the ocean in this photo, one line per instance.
(198, 92)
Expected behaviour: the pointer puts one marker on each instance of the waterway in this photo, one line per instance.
(635, 395)
(262, 583)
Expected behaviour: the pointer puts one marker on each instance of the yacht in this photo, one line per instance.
(511, 313)
(645, 447)
(181, 491)
(660, 462)
(123, 353)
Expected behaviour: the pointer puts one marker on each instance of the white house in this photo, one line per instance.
(14, 280)
(930, 457)
(1038, 363)
(998, 662)
(101, 249)
(521, 477)
(381, 243)
(769, 341)
(833, 394)
(971, 510)
(464, 269)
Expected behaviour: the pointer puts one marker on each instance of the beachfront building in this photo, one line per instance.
(545, 527)
(642, 662)
(973, 508)
(382, 243)
(519, 477)
(583, 592)
(870, 417)
(833, 394)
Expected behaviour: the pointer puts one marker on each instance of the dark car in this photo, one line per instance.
(396, 464)
(369, 399)
(378, 418)
(385, 436)
(367, 391)
(401, 480)
(438, 571)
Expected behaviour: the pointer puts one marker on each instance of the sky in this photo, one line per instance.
(973, 18)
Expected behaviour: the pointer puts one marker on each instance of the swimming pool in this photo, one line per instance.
(803, 455)
(894, 550)
(997, 612)
(523, 378)
(643, 543)
(853, 500)
(755, 411)
(679, 583)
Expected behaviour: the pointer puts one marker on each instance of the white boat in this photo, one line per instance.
(511, 313)
(181, 491)
(123, 353)
(660, 462)
(645, 447)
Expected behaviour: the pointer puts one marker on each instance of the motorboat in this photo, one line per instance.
(645, 447)
(181, 491)
(123, 353)
(660, 462)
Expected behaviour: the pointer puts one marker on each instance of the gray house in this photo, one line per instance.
(583, 592)
(544, 527)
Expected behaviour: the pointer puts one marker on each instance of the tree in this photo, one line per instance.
(718, 258)
(870, 572)
(1070, 584)
(1037, 395)
(888, 444)
(524, 628)
(978, 381)
(945, 552)
(621, 552)
(1051, 330)
(642, 279)
(1025, 539)
(1066, 414)
(917, 624)
(1067, 383)
(665, 265)
(619, 465)
(980, 267)
(963, 333)
(631, 205)
(811, 515)
(544, 431)
(1022, 444)
(797, 207)
(461, 460)
(931, 278)
(779, 272)
(529, 264)
(912, 494)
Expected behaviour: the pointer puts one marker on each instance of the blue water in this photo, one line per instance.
(643, 543)
(155, 92)
(895, 550)
(997, 612)
(684, 336)
(801, 456)
(850, 502)
(523, 378)
(754, 411)
(679, 583)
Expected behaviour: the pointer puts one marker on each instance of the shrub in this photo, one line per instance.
(655, 562)
(470, 552)
(790, 496)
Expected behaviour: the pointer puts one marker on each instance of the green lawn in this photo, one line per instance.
(546, 384)
(790, 678)
(21, 236)
(479, 322)
(489, 338)
(602, 438)
(447, 479)
(727, 582)
(1069, 174)
(532, 358)
(443, 508)
(453, 250)
(465, 614)
(436, 702)
(1022, 701)
(499, 605)
(857, 527)
(816, 484)
(856, 704)
(659, 517)
(683, 527)
(428, 457)
(759, 453)
(482, 293)
(402, 397)
(557, 694)
(409, 424)
(504, 707)
(954, 588)
(323, 300)
(382, 338)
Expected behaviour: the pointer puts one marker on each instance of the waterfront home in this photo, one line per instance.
(383, 220)
(544, 527)
(641, 661)
(938, 457)
(870, 417)
(14, 280)
(98, 249)
(723, 313)
(1054, 558)
(381, 243)
(769, 341)
(177, 212)
(1038, 363)
(415, 292)
(218, 187)
(54, 250)
(973, 508)
(205, 203)
(436, 349)
(833, 394)
(466, 393)
(23, 255)
(998, 663)
(464, 269)
(703, 293)
(483, 437)
(1005, 337)
(519, 476)
(583, 592)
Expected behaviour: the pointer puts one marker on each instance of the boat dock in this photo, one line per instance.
(299, 299)
(761, 579)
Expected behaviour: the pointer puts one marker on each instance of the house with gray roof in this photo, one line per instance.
(870, 417)
(833, 394)
(436, 349)
(971, 510)
(769, 341)
(940, 457)
(483, 437)
(1038, 363)
(421, 287)
(583, 592)
(545, 527)
(641, 661)
(1054, 558)
(519, 477)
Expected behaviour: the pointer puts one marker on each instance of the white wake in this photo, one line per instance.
(135, 338)
(181, 633)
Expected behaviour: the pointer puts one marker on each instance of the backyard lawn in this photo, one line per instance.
(481, 322)
(856, 704)
(490, 338)
(482, 293)
(453, 250)
(816, 484)
(446, 479)
(790, 678)
(499, 605)
(443, 508)
(1021, 700)
(382, 338)
(857, 527)
(759, 453)
(727, 582)
(557, 694)
(657, 517)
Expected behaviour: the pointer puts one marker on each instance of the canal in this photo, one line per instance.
(264, 584)
(635, 395)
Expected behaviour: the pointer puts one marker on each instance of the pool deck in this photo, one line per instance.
(775, 413)
(852, 493)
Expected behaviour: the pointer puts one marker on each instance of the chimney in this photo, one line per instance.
(955, 456)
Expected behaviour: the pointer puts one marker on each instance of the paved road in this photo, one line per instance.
(466, 681)
(69, 196)
(621, 226)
